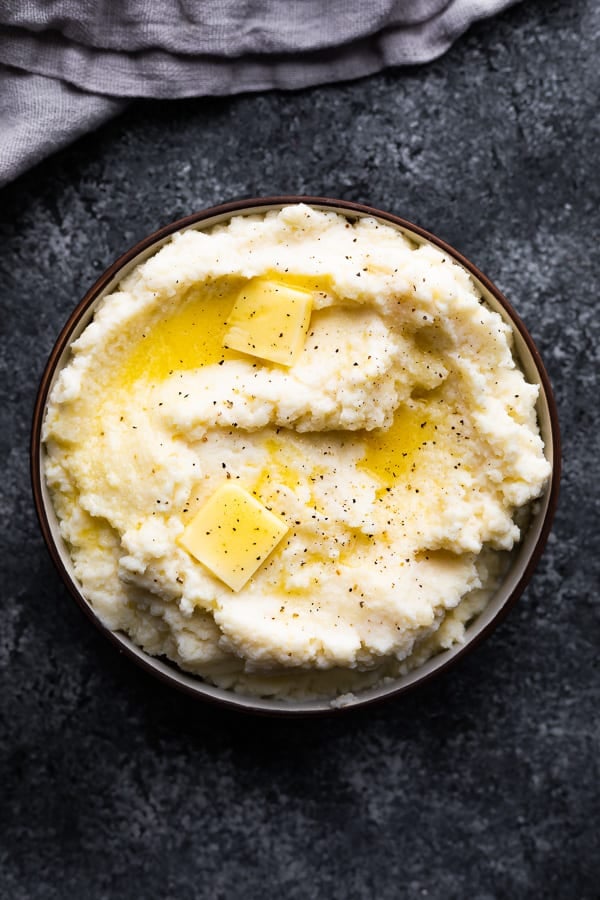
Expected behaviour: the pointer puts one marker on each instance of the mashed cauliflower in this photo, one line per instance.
(397, 449)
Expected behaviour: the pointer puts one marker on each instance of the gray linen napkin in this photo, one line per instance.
(68, 65)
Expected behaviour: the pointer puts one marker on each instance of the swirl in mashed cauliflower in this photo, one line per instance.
(396, 450)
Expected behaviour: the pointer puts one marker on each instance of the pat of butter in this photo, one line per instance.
(269, 320)
(232, 535)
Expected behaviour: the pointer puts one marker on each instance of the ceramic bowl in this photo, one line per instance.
(523, 560)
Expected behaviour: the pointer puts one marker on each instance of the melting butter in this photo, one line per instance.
(184, 338)
(390, 454)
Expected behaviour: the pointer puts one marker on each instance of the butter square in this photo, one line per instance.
(232, 534)
(269, 320)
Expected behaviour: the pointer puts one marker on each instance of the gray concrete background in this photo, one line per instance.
(485, 783)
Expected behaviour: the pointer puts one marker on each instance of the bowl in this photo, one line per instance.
(523, 559)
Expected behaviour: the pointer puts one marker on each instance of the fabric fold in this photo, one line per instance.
(66, 66)
(230, 28)
(39, 115)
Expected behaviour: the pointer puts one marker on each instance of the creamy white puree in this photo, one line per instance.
(397, 449)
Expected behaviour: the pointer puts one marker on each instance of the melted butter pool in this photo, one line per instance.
(185, 338)
(390, 454)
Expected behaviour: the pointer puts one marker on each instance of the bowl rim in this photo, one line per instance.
(171, 674)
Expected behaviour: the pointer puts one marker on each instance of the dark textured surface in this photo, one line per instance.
(481, 785)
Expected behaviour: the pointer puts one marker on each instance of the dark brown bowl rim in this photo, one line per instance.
(239, 206)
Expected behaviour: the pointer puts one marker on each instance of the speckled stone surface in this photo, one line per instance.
(483, 784)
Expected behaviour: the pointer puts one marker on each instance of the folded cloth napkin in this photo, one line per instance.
(68, 65)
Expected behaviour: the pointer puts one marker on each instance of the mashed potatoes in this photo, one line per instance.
(396, 450)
